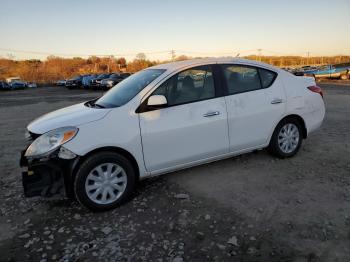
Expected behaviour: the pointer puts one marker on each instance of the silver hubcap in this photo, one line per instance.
(106, 183)
(288, 138)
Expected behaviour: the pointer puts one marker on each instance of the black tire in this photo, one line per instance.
(274, 148)
(344, 77)
(89, 164)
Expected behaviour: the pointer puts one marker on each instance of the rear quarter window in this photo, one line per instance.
(267, 77)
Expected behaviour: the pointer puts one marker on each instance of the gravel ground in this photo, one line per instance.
(248, 208)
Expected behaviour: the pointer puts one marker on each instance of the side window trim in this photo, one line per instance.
(273, 80)
(261, 81)
(224, 81)
(217, 80)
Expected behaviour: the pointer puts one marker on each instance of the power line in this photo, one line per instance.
(173, 53)
(76, 54)
(204, 53)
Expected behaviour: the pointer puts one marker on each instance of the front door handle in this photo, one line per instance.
(276, 101)
(213, 113)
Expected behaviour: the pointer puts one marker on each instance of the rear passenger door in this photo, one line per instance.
(255, 101)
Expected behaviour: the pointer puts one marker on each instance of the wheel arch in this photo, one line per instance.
(298, 118)
(114, 149)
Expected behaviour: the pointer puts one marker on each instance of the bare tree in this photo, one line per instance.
(141, 56)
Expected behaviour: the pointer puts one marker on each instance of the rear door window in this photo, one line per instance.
(240, 78)
(244, 78)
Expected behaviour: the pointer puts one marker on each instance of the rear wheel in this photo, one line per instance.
(286, 139)
(104, 181)
(344, 77)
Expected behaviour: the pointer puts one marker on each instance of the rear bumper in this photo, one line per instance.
(47, 177)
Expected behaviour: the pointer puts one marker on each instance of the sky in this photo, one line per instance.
(190, 27)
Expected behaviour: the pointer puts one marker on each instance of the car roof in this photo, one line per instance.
(193, 62)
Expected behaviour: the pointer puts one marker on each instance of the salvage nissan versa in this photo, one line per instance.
(165, 118)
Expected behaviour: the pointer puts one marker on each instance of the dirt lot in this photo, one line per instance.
(248, 208)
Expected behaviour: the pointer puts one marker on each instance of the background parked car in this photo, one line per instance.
(18, 84)
(304, 70)
(87, 79)
(74, 82)
(32, 85)
(4, 86)
(96, 82)
(308, 68)
(330, 71)
(125, 75)
(113, 80)
(61, 82)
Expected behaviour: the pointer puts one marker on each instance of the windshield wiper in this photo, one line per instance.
(99, 106)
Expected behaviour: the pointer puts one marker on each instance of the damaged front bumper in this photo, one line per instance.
(49, 176)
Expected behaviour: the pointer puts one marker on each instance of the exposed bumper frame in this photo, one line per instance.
(48, 176)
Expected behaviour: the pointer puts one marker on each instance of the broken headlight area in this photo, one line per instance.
(48, 142)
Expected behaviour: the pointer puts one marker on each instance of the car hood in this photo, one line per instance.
(69, 116)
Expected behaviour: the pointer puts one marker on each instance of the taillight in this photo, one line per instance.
(316, 89)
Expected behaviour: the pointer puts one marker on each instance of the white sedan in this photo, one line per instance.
(165, 118)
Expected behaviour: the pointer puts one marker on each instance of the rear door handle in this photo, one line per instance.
(214, 113)
(276, 101)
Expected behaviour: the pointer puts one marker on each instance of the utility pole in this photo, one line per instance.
(259, 54)
(109, 62)
(308, 57)
(172, 53)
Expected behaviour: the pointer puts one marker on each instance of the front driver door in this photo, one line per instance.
(192, 127)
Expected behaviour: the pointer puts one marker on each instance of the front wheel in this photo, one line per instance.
(286, 139)
(104, 181)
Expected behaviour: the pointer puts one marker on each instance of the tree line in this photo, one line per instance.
(298, 61)
(55, 68)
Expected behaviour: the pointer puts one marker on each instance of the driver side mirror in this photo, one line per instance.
(157, 101)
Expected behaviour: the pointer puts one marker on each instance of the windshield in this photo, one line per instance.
(102, 76)
(323, 68)
(130, 87)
